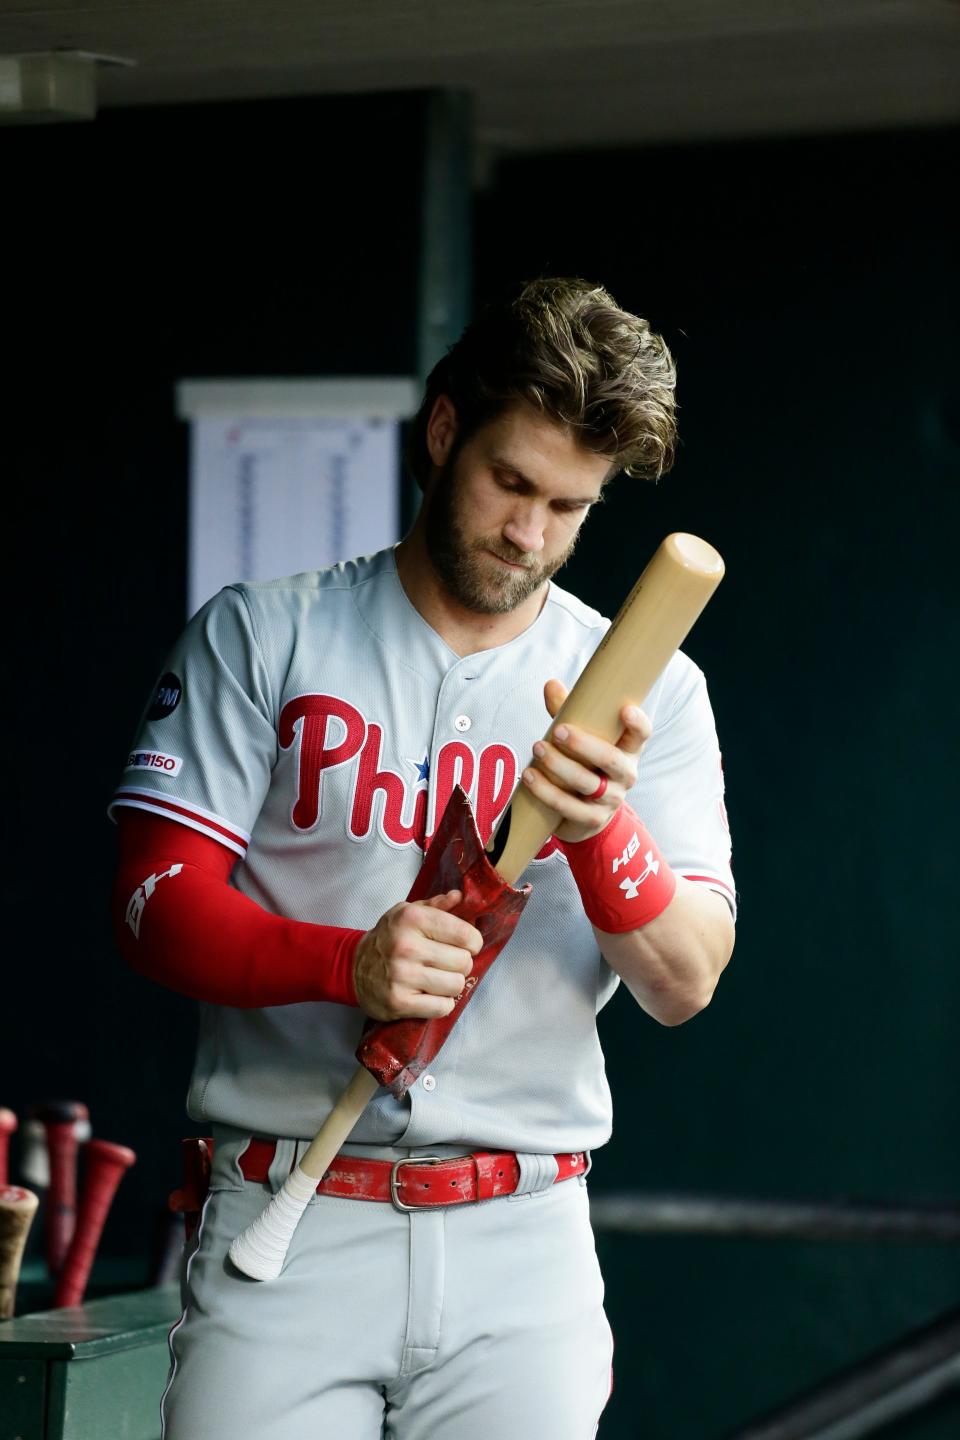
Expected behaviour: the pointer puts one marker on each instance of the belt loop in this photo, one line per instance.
(284, 1158)
(537, 1173)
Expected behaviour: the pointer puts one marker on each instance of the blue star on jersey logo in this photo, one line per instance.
(422, 768)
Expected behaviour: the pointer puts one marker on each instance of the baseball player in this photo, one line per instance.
(288, 774)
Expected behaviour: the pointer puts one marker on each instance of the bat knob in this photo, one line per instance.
(260, 1250)
(59, 1112)
(252, 1260)
(105, 1152)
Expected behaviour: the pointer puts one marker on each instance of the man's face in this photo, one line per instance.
(504, 512)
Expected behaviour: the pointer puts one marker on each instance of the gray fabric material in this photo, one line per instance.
(422, 1327)
(537, 1173)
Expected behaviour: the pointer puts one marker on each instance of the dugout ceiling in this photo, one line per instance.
(544, 74)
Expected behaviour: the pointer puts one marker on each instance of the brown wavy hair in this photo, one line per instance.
(566, 348)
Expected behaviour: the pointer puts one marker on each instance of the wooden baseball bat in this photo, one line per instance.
(650, 625)
(17, 1209)
(34, 1161)
(106, 1165)
(8, 1123)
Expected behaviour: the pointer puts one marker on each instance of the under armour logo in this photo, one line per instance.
(141, 895)
(631, 848)
(631, 888)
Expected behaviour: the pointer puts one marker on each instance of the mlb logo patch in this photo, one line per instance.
(154, 760)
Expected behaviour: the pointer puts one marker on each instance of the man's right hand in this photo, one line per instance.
(415, 960)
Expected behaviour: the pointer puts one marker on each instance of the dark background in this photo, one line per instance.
(809, 292)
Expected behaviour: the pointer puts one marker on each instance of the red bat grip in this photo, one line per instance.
(62, 1196)
(8, 1123)
(106, 1164)
(396, 1052)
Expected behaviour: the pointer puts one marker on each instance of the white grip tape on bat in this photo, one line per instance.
(261, 1249)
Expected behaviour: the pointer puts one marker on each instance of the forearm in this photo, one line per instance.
(178, 921)
(672, 964)
(668, 937)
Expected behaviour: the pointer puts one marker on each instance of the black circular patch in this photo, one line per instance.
(167, 698)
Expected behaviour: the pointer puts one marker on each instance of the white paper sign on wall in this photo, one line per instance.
(289, 475)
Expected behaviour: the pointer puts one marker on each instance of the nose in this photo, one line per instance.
(525, 528)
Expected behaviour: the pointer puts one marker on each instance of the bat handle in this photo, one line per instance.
(62, 1198)
(106, 1166)
(260, 1250)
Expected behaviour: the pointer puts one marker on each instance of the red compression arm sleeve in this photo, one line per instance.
(176, 920)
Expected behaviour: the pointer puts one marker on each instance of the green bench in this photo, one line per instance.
(95, 1372)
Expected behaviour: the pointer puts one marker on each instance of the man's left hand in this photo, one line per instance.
(569, 767)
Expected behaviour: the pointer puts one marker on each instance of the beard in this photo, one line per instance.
(467, 568)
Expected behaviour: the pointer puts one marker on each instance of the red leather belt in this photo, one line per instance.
(419, 1183)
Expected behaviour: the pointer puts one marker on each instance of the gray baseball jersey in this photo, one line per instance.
(316, 726)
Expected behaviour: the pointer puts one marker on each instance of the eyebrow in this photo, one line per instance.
(510, 469)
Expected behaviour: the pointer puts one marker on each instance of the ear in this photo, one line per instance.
(441, 430)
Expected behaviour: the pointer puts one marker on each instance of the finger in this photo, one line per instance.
(595, 756)
(452, 958)
(431, 980)
(637, 729)
(436, 924)
(569, 774)
(449, 901)
(610, 760)
(570, 807)
(419, 1006)
(554, 694)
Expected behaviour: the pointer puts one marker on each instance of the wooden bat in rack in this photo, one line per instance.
(106, 1165)
(649, 628)
(60, 1119)
(8, 1124)
(17, 1209)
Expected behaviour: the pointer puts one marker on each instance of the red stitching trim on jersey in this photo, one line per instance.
(711, 880)
(181, 812)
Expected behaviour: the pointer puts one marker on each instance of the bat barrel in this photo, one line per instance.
(17, 1209)
(649, 628)
(106, 1165)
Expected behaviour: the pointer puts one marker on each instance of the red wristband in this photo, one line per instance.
(624, 881)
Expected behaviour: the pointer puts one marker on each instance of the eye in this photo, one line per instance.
(506, 482)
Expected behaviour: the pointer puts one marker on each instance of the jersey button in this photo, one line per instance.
(462, 722)
(429, 1082)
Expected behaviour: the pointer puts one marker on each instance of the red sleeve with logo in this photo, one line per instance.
(178, 921)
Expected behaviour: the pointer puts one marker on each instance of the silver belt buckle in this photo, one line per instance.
(402, 1205)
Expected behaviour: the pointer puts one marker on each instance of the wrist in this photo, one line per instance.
(624, 881)
(332, 963)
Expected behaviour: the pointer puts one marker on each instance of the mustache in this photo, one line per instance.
(518, 557)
